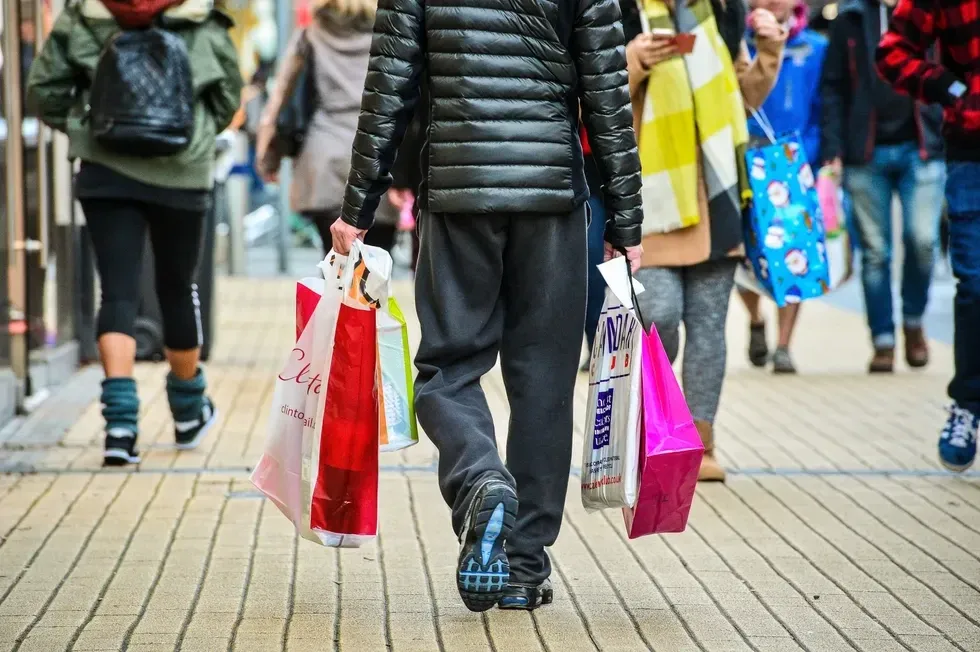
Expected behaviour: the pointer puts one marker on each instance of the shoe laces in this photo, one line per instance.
(961, 429)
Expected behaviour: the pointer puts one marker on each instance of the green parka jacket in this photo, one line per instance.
(60, 77)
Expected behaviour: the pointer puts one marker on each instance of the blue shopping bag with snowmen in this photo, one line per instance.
(786, 253)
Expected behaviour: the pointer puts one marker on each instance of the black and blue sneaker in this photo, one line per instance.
(483, 570)
(958, 440)
(190, 433)
(527, 597)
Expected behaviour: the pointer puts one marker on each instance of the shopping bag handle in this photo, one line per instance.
(636, 301)
(763, 120)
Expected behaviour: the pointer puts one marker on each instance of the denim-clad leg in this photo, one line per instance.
(921, 189)
(963, 196)
(871, 188)
(597, 286)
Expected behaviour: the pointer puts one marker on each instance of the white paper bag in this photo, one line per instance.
(610, 455)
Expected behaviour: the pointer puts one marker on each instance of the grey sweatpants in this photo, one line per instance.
(698, 296)
(513, 285)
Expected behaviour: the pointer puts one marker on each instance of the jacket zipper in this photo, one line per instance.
(869, 148)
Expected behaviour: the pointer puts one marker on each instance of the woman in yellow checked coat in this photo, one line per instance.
(689, 114)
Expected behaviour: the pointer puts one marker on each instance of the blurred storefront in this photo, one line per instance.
(40, 229)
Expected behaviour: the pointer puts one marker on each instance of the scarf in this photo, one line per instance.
(136, 14)
(693, 126)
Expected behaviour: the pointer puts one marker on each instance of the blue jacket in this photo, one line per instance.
(794, 103)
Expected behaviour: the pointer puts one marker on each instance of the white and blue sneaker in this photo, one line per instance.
(483, 569)
(958, 440)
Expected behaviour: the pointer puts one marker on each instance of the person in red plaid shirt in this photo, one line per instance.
(903, 61)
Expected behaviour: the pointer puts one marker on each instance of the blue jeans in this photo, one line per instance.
(597, 286)
(963, 200)
(919, 184)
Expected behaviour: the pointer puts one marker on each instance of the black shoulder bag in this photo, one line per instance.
(297, 110)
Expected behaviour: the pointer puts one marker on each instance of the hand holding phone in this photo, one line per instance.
(654, 48)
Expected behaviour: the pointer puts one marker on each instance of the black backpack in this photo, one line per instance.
(141, 101)
(297, 110)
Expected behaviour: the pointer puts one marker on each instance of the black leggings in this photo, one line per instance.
(118, 230)
(379, 235)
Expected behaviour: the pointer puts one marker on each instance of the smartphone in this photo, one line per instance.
(683, 41)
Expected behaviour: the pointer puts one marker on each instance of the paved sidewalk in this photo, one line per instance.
(836, 531)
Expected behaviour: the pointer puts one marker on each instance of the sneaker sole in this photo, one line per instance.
(119, 457)
(201, 434)
(483, 570)
(955, 468)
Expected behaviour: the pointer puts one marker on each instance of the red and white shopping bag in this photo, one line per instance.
(320, 465)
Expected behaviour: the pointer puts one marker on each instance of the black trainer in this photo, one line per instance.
(527, 598)
(758, 347)
(483, 570)
(120, 448)
(190, 433)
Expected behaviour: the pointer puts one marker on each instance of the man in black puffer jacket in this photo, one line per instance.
(502, 267)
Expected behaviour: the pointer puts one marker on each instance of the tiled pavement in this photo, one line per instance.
(836, 531)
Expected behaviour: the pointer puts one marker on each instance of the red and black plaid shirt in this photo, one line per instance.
(903, 61)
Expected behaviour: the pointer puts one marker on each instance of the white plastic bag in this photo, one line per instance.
(290, 467)
(396, 394)
(610, 454)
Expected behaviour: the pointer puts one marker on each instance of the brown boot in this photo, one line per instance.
(883, 361)
(916, 347)
(711, 470)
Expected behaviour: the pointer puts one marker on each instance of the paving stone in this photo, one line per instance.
(794, 560)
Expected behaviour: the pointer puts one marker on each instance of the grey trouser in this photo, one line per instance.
(513, 285)
(697, 296)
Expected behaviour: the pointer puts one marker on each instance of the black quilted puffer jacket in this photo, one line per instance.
(505, 81)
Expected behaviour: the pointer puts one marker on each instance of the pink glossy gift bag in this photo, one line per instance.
(670, 448)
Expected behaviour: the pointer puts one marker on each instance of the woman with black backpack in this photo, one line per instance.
(318, 86)
(142, 88)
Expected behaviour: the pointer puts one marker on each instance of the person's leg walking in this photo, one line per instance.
(597, 286)
(176, 237)
(782, 361)
(758, 344)
(921, 189)
(461, 316)
(382, 236)
(871, 192)
(958, 441)
(322, 220)
(544, 273)
(662, 304)
(118, 231)
(707, 291)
